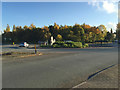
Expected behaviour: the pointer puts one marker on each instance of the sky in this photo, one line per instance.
(63, 13)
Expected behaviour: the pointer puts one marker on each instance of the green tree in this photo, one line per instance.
(79, 32)
(109, 36)
(103, 29)
(111, 30)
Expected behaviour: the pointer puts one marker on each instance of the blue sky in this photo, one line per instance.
(69, 13)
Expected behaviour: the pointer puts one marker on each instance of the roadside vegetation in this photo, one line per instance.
(69, 45)
(62, 44)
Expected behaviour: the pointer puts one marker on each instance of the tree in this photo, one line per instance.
(90, 35)
(118, 25)
(109, 36)
(32, 26)
(59, 37)
(25, 27)
(75, 38)
(103, 29)
(8, 28)
(86, 26)
(20, 27)
(78, 33)
(46, 28)
(111, 30)
(14, 28)
(56, 27)
(65, 27)
(118, 31)
(82, 36)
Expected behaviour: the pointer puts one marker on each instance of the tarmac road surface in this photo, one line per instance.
(58, 68)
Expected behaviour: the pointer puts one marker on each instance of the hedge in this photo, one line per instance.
(68, 44)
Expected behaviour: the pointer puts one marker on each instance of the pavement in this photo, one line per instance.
(57, 68)
(104, 79)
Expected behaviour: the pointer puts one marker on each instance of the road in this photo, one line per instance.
(58, 68)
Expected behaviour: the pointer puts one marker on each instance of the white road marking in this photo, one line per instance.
(79, 84)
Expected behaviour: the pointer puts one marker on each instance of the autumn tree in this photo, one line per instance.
(14, 28)
(118, 31)
(56, 27)
(25, 27)
(54, 30)
(32, 26)
(59, 37)
(46, 28)
(7, 28)
(78, 33)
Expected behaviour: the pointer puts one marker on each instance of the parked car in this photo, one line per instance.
(24, 44)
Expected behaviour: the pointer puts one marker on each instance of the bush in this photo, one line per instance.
(72, 46)
(56, 46)
(86, 45)
(77, 44)
(65, 45)
(59, 44)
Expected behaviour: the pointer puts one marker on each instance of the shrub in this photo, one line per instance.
(65, 45)
(72, 46)
(69, 44)
(86, 45)
(78, 44)
(56, 46)
(60, 43)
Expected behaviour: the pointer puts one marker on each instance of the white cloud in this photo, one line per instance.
(111, 25)
(110, 7)
(94, 3)
(107, 5)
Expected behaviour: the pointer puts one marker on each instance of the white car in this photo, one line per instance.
(25, 44)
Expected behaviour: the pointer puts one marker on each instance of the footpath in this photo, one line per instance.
(105, 79)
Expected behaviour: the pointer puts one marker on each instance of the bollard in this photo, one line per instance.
(13, 43)
(35, 49)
